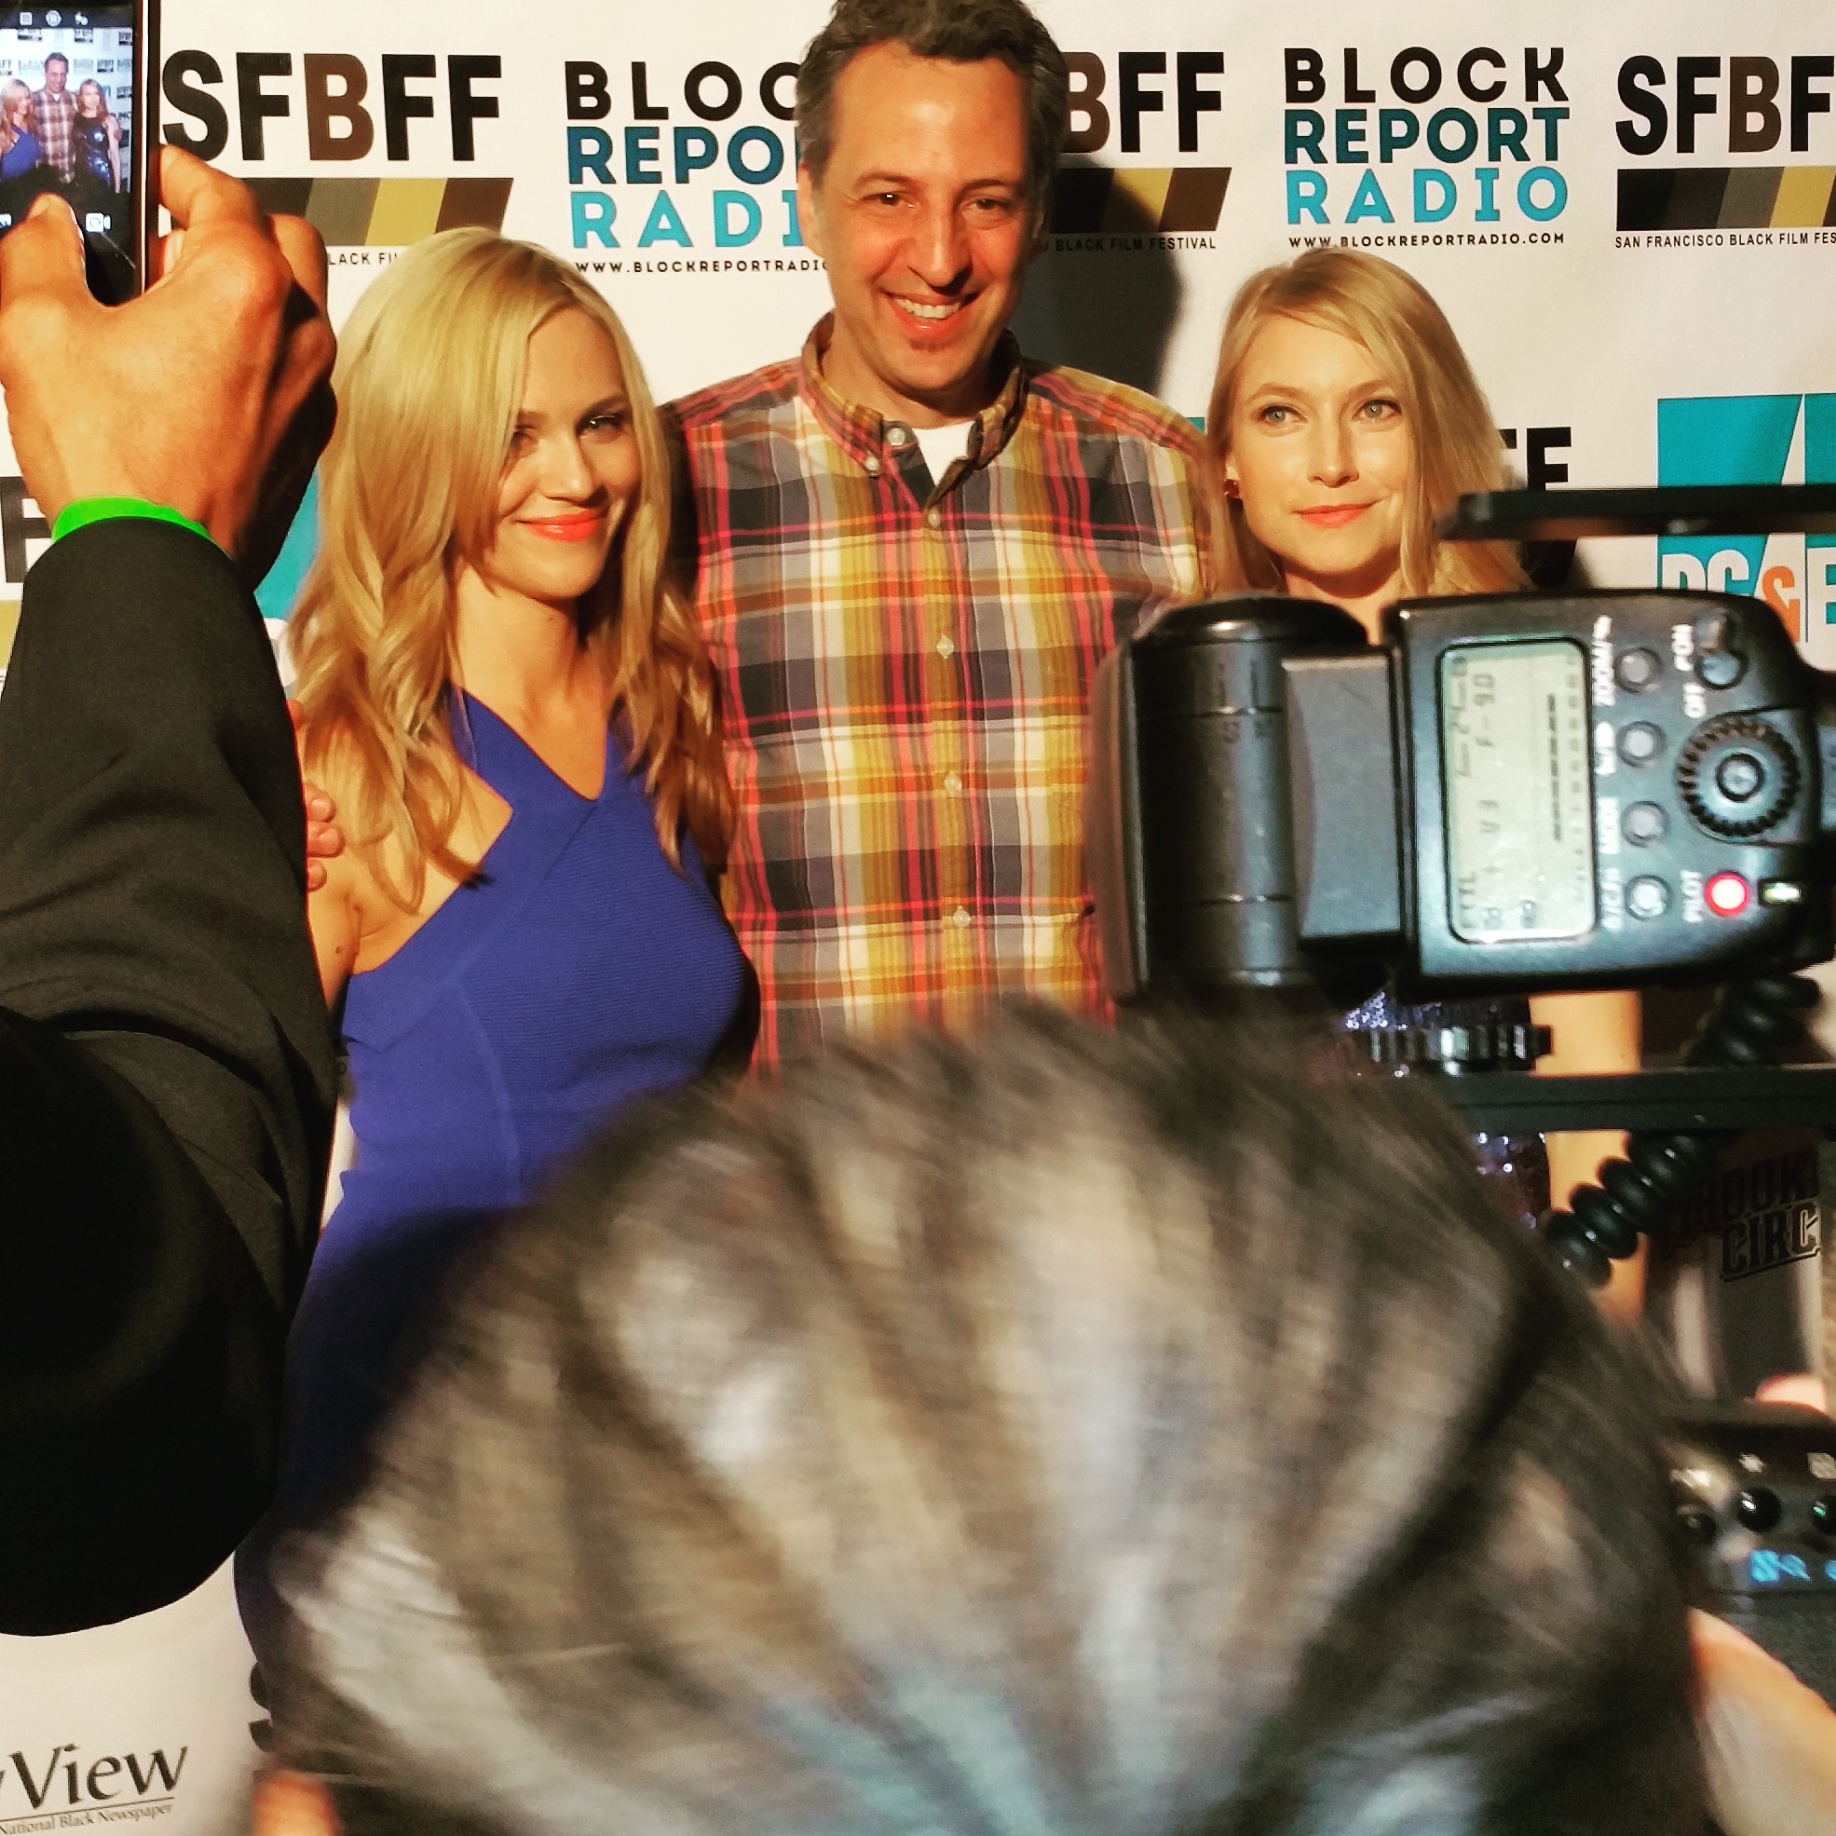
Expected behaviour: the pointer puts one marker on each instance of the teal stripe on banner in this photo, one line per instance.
(1725, 439)
(1820, 442)
(1721, 440)
(1820, 550)
(279, 592)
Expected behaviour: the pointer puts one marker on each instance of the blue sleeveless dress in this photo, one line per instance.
(575, 973)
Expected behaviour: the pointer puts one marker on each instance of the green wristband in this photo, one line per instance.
(87, 510)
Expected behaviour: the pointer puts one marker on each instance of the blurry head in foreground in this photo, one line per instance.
(1126, 1435)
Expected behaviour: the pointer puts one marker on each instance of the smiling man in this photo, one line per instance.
(54, 113)
(913, 546)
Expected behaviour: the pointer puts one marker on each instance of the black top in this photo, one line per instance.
(166, 1077)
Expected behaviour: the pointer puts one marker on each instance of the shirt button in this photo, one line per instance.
(960, 918)
(933, 519)
(896, 435)
(953, 784)
(945, 648)
(872, 465)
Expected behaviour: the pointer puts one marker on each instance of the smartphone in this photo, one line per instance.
(77, 90)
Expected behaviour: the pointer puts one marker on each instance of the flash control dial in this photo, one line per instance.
(1738, 776)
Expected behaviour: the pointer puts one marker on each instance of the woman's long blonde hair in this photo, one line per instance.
(1457, 448)
(429, 381)
(10, 93)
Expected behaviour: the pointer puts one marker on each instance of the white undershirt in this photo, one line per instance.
(942, 446)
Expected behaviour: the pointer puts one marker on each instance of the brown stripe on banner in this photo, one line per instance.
(341, 209)
(1078, 196)
(281, 197)
(475, 203)
(1747, 202)
(1195, 199)
(1804, 195)
(1695, 198)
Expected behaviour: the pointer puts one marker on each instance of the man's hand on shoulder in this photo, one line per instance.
(210, 394)
(324, 839)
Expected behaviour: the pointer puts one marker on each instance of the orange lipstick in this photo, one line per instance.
(577, 526)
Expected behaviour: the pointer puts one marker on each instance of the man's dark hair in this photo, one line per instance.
(1072, 1432)
(57, 57)
(961, 31)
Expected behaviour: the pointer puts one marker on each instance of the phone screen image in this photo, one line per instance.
(67, 125)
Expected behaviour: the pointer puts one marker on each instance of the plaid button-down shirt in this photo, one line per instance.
(54, 122)
(905, 669)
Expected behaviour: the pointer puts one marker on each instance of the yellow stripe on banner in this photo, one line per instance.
(9, 629)
(1804, 196)
(407, 209)
(1137, 196)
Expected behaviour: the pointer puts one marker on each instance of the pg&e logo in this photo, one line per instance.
(1755, 440)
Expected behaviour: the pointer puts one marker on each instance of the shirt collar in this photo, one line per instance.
(862, 432)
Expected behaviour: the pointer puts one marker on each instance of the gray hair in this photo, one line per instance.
(1069, 1435)
(961, 31)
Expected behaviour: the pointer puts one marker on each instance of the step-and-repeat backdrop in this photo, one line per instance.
(1628, 213)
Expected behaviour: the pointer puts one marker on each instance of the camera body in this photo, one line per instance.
(1755, 1492)
(1519, 792)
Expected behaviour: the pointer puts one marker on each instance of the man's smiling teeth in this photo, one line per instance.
(927, 309)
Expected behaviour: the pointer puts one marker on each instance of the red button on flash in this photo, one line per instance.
(1727, 895)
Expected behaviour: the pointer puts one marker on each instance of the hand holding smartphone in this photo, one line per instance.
(77, 91)
(227, 425)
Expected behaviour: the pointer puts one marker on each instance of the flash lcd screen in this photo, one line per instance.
(1520, 832)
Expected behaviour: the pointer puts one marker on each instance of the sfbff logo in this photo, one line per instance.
(338, 95)
(1698, 105)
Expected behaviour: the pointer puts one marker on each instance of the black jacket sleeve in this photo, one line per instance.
(166, 1076)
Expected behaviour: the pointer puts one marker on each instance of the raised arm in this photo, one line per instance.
(165, 1065)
